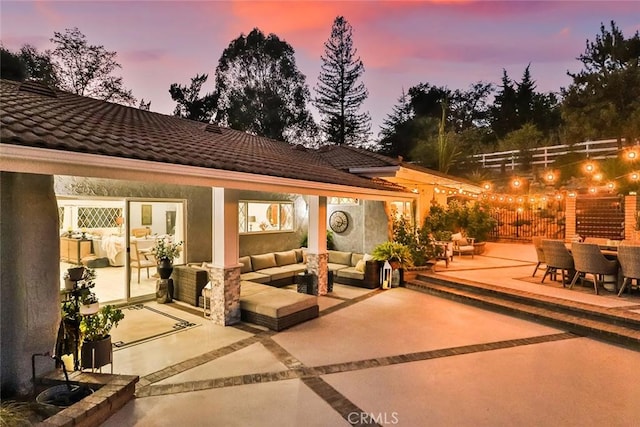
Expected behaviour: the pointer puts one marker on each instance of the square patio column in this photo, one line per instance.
(224, 272)
(317, 255)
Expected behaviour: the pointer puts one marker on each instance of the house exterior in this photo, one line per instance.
(57, 145)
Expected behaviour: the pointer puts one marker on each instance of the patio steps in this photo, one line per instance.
(609, 324)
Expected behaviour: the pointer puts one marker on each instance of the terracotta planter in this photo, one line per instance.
(96, 354)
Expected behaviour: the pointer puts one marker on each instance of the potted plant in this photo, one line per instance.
(95, 329)
(165, 251)
(396, 253)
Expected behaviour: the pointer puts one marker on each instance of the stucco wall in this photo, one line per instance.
(29, 276)
(367, 226)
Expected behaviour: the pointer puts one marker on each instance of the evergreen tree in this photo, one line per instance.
(396, 128)
(504, 113)
(339, 92)
(190, 104)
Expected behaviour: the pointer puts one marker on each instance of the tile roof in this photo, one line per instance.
(72, 123)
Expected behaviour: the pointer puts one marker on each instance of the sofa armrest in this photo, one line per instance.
(372, 274)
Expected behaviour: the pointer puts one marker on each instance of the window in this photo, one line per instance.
(89, 217)
(342, 201)
(261, 217)
(402, 209)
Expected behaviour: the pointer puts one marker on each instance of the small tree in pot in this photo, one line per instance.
(95, 329)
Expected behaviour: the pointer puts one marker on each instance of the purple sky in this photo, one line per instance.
(443, 43)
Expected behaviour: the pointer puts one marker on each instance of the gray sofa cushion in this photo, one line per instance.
(285, 258)
(246, 264)
(351, 273)
(340, 257)
(255, 276)
(336, 267)
(260, 262)
(278, 273)
(277, 302)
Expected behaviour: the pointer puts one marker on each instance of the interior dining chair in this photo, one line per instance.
(589, 259)
(139, 261)
(537, 244)
(629, 258)
(557, 257)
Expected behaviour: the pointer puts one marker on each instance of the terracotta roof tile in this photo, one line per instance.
(69, 122)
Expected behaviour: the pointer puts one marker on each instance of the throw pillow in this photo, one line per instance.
(463, 242)
(456, 237)
(360, 266)
(367, 257)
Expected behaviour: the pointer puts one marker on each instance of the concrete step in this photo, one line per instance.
(579, 318)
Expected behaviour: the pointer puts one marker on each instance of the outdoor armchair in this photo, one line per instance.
(557, 257)
(463, 245)
(589, 260)
(629, 258)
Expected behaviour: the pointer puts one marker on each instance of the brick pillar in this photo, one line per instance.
(317, 264)
(225, 295)
(631, 209)
(570, 218)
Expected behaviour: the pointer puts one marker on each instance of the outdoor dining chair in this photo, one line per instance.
(557, 257)
(589, 259)
(629, 258)
(537, 243)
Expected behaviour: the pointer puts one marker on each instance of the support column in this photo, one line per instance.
(570, 218)
(317, 255)
(631, 218)
(29, 277)
(225, 270)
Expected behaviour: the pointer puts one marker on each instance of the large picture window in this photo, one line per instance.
(263, 217)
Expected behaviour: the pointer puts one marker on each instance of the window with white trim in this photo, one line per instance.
(265, 217)
(342, 201)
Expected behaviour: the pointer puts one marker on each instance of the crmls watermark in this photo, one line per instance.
(382, 418)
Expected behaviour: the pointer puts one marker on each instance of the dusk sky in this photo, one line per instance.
(443, 43)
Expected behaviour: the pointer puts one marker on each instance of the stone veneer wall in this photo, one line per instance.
(631, 212)
(225, 295)
(317, 265)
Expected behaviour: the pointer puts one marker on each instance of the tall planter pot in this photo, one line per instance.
(165, 268)
(96, 354)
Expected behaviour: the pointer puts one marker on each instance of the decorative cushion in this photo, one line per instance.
(463, 242)
(456, 237)
(285, 258)
(298, 255)
(360, 266)
(340, 257)
(367, 257)
(355, 258)
(246, 264)
(259, 262)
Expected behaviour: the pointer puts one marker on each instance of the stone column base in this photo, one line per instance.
(225, 295)
(317, 264)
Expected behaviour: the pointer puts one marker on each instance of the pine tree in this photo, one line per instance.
(339, 92)
(395, 128)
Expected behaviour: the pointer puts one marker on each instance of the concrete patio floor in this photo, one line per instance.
(394, 357)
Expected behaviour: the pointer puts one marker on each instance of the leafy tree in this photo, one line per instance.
(190, 104)
(11, 65)
(86, 69)
(29, 64)
(339, 92)
(261, 90)
(470, 109)
(40, 66)
(604, 98)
